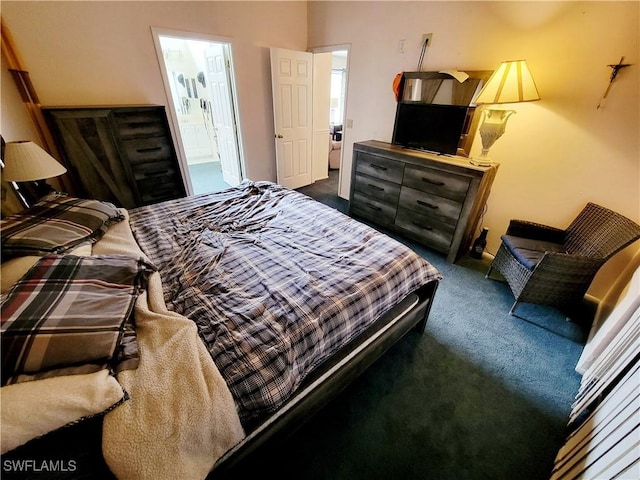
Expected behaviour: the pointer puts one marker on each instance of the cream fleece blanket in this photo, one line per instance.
(31, 409)
(180, 417)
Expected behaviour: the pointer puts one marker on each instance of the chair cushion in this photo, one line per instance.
(529, 251)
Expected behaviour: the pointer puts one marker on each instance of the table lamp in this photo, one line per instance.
(25, 161)
(510, 83)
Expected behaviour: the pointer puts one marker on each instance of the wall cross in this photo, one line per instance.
(616, 68)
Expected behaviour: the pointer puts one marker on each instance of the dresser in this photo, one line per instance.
(121, 154)
(435, 200)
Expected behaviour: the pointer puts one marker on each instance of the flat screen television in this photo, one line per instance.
(425, 126)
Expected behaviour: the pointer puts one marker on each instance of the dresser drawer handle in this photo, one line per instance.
(156, 173)
(373, 207)
(433, 182)
(418, 224)
(378, 167)
(148, 149)
(375, 187)
(425, 204)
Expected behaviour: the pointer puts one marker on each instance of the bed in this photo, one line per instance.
(245, 312)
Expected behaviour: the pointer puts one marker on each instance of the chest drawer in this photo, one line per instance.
(379, 189)
(139, 124)
(157, 181)
(379, 167)
(376, 210)
(141, 150)
(438, 182)
(154, 169)
(426, 228)
(160, 193)
(439, 208)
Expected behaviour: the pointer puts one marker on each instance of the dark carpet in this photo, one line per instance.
(479, 395)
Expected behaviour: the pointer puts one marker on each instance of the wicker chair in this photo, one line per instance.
(555, 267)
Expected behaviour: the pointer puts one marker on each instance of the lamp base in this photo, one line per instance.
(481, 162)
(31, 192)
(491, 129)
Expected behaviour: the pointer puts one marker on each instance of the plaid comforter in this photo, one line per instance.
(275, 281)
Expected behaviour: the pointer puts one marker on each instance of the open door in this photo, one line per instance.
(292, 84)
(218, 64)
(197, 72)
(337, 119)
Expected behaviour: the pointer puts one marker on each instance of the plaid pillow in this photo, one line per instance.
(69, 310)
(55, 224)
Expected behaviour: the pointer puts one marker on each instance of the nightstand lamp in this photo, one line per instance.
(25, 161)
(510, 83)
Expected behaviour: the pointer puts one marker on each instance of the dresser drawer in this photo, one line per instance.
(436, 181)
(141, 150)
(434, 206)
(426, 229)
(140, 124)
(373, 209)
(379, 167)
(376, 188)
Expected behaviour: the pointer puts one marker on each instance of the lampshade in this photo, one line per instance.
(25, 162)
(510, 83)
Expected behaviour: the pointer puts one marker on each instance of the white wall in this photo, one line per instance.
(102, 53)
(557, 153)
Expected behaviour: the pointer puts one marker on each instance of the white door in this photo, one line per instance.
(218, 65)
(321, 110)
(291, 81)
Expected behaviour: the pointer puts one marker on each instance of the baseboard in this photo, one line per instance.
(593, 300)
(487, 257)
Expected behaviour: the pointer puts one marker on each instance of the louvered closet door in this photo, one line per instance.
(605, 442)
(85, 138)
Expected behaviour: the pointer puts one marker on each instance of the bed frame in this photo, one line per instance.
(82, 442)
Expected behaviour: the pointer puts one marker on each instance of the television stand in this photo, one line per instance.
(436, 200)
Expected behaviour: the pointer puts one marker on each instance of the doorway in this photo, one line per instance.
(198, 77)
(337, 113)
(337, 110)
